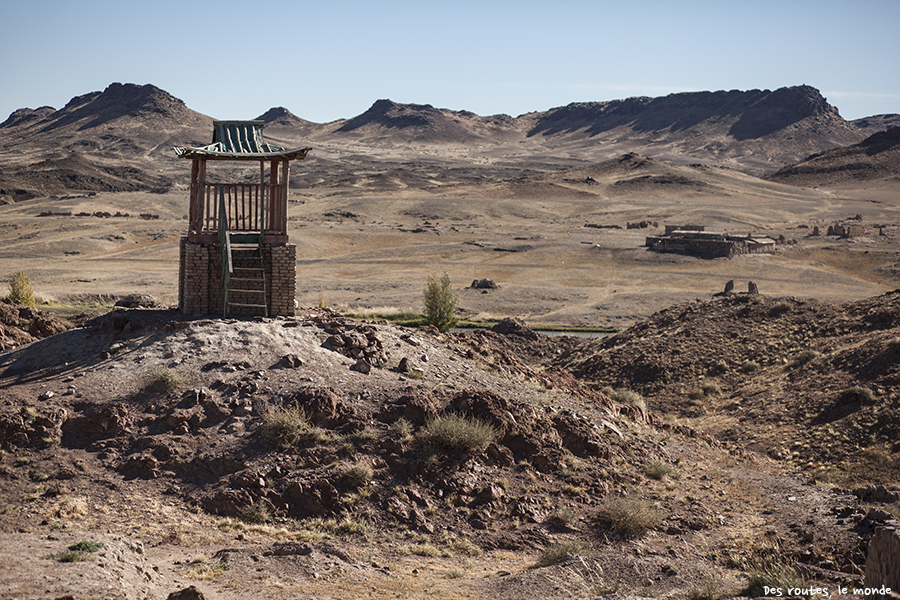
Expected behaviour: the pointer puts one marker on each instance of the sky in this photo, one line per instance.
(330, 59)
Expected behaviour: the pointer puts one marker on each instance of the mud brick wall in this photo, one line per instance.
(883, 562)
(281, 278)
(200, 279)
(193, 278)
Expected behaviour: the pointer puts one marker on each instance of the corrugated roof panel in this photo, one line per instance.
(240, 139)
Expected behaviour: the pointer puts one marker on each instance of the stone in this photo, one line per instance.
(513, 326)
(729, 286)
(188, 593)
(484, 284)
(361, 366)
(292, 361)
(751, 288)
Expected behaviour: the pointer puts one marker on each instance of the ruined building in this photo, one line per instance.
(694, 240)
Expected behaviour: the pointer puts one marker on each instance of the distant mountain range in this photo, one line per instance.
(133, 127)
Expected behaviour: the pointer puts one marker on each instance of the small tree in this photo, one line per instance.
(440, 303)
(20, 289)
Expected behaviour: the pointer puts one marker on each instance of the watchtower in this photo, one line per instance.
(236, 258)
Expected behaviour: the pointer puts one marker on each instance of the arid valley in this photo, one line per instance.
(710, 440)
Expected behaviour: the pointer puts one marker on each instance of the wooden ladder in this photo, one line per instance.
(243, 267)
(245, 283)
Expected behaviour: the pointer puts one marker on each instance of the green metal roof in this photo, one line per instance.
(241, 140)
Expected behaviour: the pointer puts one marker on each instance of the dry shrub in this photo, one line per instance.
(557, 552)
(402, 430)
(286, 426)
(803, 357)
(857, 393)
(163, 379)
(625, 396)
(656, 469)
(256, 513)
(632, 516)
(358, 474)
(457, 434)
(199, 569)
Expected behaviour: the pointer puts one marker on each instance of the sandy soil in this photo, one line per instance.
(377, 251)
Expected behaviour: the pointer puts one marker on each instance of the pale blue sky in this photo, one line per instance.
(331, 59)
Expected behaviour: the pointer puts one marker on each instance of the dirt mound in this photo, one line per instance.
(299, 462)
(773, 371)
(20, 325)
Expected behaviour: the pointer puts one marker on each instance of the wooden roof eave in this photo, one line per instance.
(292, 154)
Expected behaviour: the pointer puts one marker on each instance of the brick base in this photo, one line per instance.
(200, 280)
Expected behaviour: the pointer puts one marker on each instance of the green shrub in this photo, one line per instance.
(440, 303)
(71, 556)
(86, 546)
(457, 434)
(631, 516)
(557, 552)
(20, 289)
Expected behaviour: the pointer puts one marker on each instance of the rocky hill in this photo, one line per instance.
(804, 381)
(135, 126)
(222, 450)
(875, 158)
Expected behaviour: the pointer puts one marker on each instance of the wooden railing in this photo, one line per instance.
(248, 207)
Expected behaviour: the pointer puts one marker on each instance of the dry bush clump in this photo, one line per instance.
(286, 426)
(557, 552)
(256, 513)
(803, 357)
(625, 396)
(402, 430)
(631, 516)
(656, 469)
(857, 393)
(457, 434)
(163, 379)
(200, 569)
(358, 474)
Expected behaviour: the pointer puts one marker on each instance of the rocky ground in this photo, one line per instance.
(177, 444)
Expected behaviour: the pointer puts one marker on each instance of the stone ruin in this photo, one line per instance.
(846, 230)
(695, 240)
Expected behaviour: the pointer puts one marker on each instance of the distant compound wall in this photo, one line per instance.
(200, 279)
